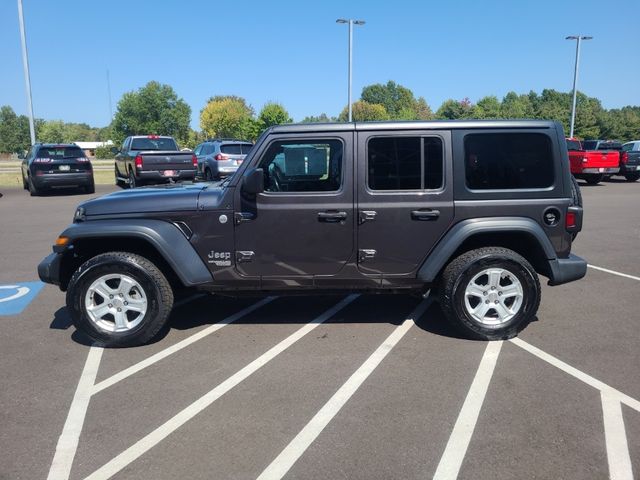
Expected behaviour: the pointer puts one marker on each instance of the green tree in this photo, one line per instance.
(455, 109)
(14, 131)
(273, 113)
(487, 107)
(153, 109)
(228, 116)
(322, 118)
(364, 112)
(398, 101)
(52, 131)
(516, 106)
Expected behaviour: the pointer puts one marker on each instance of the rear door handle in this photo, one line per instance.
(425, 215)
(332, 217)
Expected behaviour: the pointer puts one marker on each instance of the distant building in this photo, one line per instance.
(89, 148)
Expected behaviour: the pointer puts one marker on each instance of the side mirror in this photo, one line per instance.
(114, 150)
(253, 181)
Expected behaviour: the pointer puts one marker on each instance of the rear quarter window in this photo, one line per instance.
(508, 161)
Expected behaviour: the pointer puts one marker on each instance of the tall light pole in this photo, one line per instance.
(578, 39)
(27, 79)
(351, 23)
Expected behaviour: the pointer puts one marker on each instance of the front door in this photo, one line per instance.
(302, 225)
(405, 199)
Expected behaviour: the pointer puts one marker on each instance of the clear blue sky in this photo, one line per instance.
(294, 52)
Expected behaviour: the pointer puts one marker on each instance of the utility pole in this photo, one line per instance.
(109, 93)
(351, 24)
(27, 79)
(579, 38)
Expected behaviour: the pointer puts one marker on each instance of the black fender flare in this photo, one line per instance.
(168, 240)
(460, 232)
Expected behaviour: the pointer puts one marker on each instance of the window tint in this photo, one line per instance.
(508, 161)
(153, 143)
(573, 145)
(207, 149)
(590, 144)
(198, 150)
(60, 152)
(313, 166)
(231, 148)
(610, 146)
(405, 163)
(246, 148)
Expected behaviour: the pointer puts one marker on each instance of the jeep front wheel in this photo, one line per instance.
(490, 293)
(119, 299)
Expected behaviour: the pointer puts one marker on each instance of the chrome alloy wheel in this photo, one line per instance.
(115, 303)
(493, 296)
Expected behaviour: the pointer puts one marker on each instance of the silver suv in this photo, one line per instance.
(220, 157)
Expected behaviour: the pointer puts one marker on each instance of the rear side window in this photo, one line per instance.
(573, 145)
(60, 152)
(405, 163)
(504, 161)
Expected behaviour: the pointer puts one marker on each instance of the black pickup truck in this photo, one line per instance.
(147, 159)
(470, 211)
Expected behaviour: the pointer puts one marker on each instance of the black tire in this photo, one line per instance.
(132, 180)
(632, 177)
(25, 185)
(157, 289)
(91, 188)
(460, 272)
(208, 176)
(594, 178)
(33, 190)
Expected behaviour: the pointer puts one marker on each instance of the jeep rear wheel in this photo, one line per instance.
(119, 299)
(490, 293)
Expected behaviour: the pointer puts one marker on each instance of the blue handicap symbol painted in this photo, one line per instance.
(14, 298)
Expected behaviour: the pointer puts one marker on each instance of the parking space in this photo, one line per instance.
(326, 387)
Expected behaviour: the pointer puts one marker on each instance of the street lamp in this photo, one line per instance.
(351, 23)
(27, 80)
(579, 38)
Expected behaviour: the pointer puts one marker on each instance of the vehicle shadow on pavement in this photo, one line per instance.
(434, 321)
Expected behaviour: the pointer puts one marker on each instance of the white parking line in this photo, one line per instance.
(292, 452)
(156, 436)
(616, 438)
(613, 272)
(177, 347)
(68, 440)
(456, 448)
(588, 379)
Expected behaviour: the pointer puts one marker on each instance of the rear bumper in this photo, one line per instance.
(597, 170)
(49, 269)
(158, 176)
(565, 270)
(627, 168)
(62, 179)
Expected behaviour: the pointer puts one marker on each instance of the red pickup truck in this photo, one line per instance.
(592, 165)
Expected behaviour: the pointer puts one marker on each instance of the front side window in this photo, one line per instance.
(405, 163)
(303, 166)
(503, 161)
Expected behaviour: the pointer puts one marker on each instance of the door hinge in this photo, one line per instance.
(366, 254)
(366, 216)
(244, 256)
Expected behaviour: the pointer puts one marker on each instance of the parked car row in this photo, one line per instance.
(594, 160)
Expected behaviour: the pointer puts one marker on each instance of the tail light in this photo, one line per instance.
(220, 156)
(570, 220)
(138, 161)
(82, 159)
(624, 158)
(194, 160)
(585, 159)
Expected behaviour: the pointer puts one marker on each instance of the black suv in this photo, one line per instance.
(473, 210)
(56, 165)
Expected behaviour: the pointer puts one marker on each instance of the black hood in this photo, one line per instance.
(162, 198)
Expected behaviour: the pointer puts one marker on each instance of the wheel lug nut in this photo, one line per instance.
(493, 288)
(119, 309)
(499, 293)
(110, 296)
(486, 301)
(110, 305)
(485, 293)
(121, 295)
(496, 302)
(126, 303)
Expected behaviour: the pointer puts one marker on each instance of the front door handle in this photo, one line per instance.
(425, 215)
(332, 216)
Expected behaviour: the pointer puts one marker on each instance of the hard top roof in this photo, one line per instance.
(412, 125)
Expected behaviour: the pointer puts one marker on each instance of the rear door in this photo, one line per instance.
(404, 199)
(302, 225)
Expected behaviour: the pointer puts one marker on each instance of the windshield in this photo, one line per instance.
(60, 152)
(610, 146)
(153, 144)
(573, 145)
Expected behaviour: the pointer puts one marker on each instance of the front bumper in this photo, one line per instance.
(565, 270)
(49, 268)
(62, 179)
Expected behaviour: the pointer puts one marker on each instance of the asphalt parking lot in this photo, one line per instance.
(351, 387)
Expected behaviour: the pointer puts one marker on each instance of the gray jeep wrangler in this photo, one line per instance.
(472, 210)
